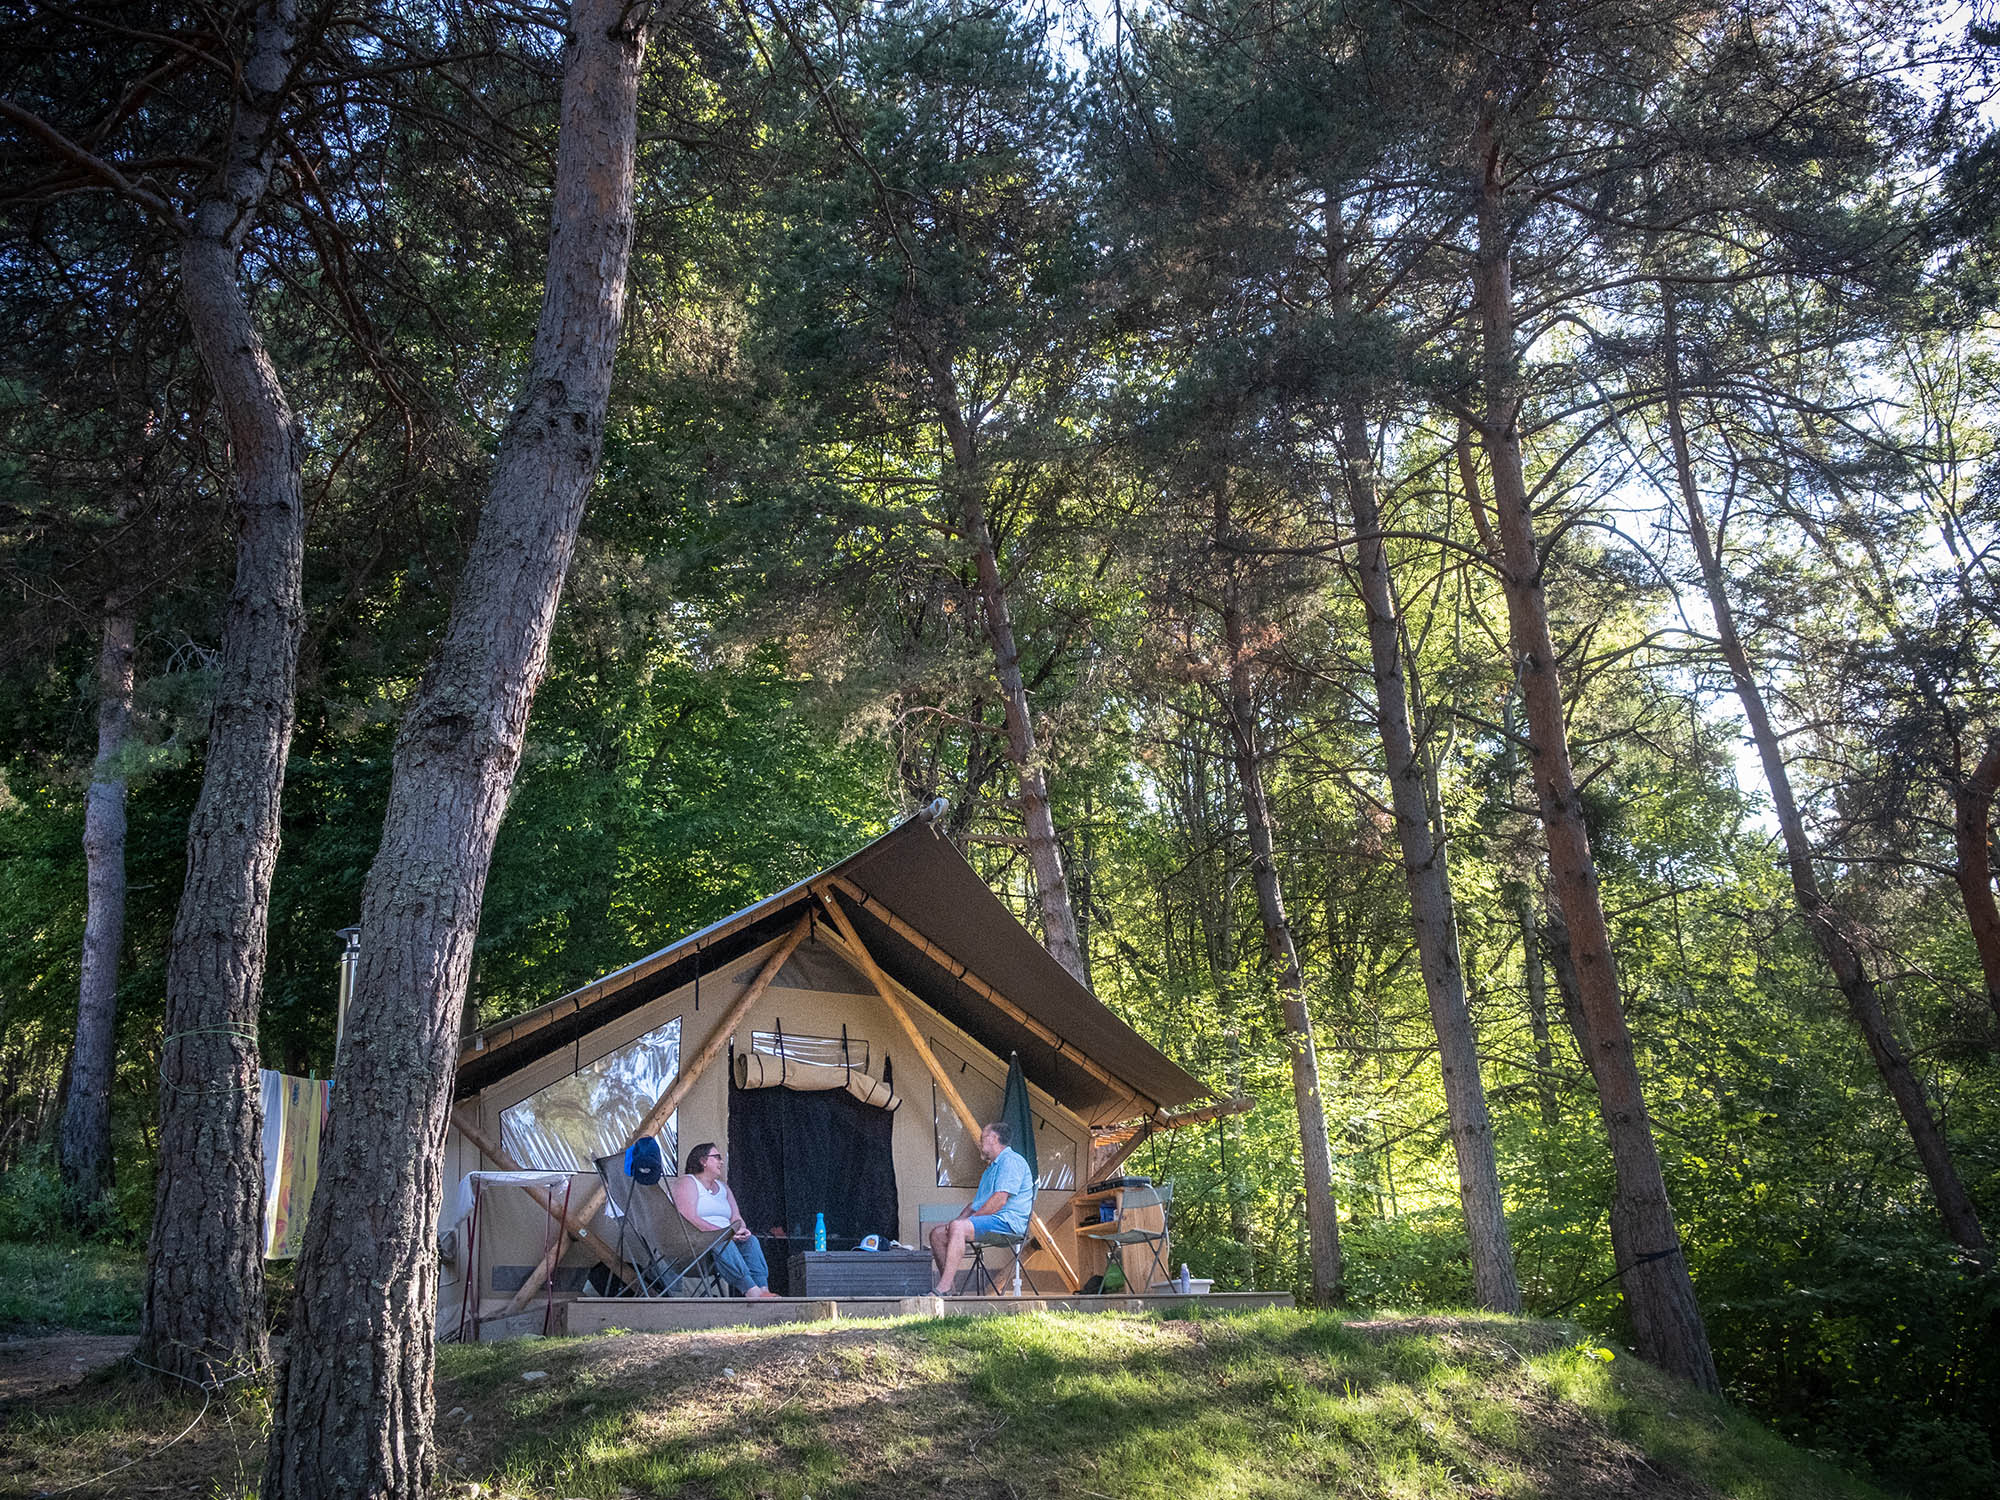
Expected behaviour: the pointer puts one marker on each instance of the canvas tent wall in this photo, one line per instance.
(572, 1080)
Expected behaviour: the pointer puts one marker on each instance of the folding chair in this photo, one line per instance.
(1135, 1199)
(669, 1255)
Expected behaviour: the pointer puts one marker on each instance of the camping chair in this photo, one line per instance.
(930, 1215)
(1015, 1245)
(669, 1255)
(1155, 1239)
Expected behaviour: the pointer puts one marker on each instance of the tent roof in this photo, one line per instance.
(912, 884)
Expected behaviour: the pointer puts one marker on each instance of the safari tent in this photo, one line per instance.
(838, 1038)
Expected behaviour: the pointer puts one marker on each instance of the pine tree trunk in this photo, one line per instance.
(1427, 877)
(84, 1147)
(1556, 949)
(1322, 1211)
(1659, 1296)
(1972, 814)
(1831, 928)
(354, 1410)
(1059, 929)
(203, 1316)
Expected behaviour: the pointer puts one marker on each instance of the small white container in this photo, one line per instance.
(1198, 1286)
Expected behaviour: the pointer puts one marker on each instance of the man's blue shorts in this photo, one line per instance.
(985, 1224)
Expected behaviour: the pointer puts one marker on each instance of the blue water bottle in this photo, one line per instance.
(819, 1233)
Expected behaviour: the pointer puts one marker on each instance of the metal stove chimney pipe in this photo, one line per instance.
(350, 961)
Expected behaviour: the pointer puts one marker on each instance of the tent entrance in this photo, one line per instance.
(795, 1153)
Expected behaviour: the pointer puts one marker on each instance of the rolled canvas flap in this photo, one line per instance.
(758, 1070)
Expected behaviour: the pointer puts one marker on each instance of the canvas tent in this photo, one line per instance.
(837, 1037)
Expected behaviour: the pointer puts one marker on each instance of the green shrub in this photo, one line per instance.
(31, 1198)
(1419, 1260)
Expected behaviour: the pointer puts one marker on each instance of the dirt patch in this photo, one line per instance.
(1577, 1459)
(34, 1367)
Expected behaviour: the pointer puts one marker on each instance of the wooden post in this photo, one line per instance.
(671, 1100)
(915, 1036)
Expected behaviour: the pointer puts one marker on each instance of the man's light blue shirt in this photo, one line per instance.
(1008, 1173)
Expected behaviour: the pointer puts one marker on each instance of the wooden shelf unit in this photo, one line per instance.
(1094, 1251)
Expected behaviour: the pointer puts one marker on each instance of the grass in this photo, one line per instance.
(1278, 1404)
(1271, 1404)
(89, 1288)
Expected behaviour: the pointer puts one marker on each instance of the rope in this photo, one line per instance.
(236, 1031)
(208, 1389)
(1642, 1260)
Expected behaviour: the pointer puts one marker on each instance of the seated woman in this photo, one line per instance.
(705, 1201)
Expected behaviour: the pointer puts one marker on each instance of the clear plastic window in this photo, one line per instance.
(828, 1051)
(597, 1109)
(958, 1163)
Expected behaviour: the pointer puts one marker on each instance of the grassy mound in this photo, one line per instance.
(1278, 1403)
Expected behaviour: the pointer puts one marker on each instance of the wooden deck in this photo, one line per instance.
(672, 1314)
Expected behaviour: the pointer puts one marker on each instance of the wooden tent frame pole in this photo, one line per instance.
(671, 1100)
(979, 986)
(966, 1117)
(1241, 1104)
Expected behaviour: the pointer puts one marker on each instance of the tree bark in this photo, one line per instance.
(1322, 1211)
(1832, 930)
(1427, 877)
(1059, 928)
(1972, 814)
(203, 1316)
(1659, 1296)
(355, 1416)
(84, 1146)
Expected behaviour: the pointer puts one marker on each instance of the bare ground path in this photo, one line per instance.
(30, 1367)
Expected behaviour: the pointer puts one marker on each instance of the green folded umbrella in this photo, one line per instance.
(1015, 1111)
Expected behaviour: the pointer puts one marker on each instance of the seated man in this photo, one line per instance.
(705, 1201)
(1006, 1197)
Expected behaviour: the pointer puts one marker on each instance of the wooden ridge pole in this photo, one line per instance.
(876, 977)
(671, 1099)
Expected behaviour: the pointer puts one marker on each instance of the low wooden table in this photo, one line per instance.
(861, 1273)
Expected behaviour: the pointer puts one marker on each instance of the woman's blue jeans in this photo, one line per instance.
(742, 1264)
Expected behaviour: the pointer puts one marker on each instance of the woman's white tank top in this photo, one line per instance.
(711, 1205)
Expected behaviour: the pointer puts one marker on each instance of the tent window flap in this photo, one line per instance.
(566, 1126)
